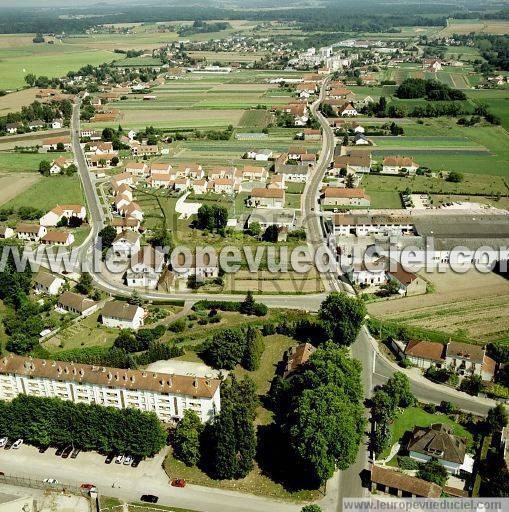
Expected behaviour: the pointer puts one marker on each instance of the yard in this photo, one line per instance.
(416, 417)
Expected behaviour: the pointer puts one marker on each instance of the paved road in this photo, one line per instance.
(131, 483)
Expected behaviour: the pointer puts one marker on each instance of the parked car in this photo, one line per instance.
(75, 453)
(119, 459)
(109, 459)
(8, 445)
(178, 482)
(43, 449)
(17, 444)
(87, 486)
(51, 481)
(2, 473)
(149, 498)
(3, 441)
(136, 462)
(59, 451)
(66, 452)
(128, 460)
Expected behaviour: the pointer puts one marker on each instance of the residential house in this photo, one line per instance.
(161, 168)
(277, 181)
(389, 481)
(122, 199)
(193, 171)
(101, 160)
(6, 232)
(59, 165)
(63, 238)
(224, 186)
(139, 169)
(341, 93)
(361, 140)
(360, 164)
(280, 217)
(13, 127)
(57, 124)
(399, 165)
(76, 303)
(199, 187)
(122, 315)
(124, 178)
(361, 274)
(47, 283)
(347, 110)
(439, 442)
(160, 181)
(468, 359)
(56, 214)
(293, 173)
(125, 224)
(409, 283)
(146, 268)
(205, 268)
(132, 210)
(297, 356)
(126, 244)
(37, 124)
(30, 232)
(337, 196)
(181, 184)
(267, 198)
(144, 149)
(433, 65)
(362, 224)
(254, 173)
(51, 143)
(425, 354)
(261, 155)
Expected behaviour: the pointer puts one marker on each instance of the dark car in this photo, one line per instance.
(109, 459)
(43, 449)
(75, 453)
(66, 452)
(149, 498)
(59, 451)
(9, 443)
(178, 482)
(135, 463)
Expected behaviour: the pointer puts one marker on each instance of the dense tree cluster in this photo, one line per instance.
(384, 405)
(54, 422)
(432, 90)
(319, 415)
(229, 347)
(211, 217)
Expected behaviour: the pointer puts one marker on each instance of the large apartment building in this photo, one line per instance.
(165, 394)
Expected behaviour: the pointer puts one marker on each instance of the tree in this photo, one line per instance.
(135, 299)
(107, 235)
(30, 79)
(471, 385)
(44, 167)
(84, 285)
(391, 287)
(455, 177)
(253, 350)
(496, 419)
(311, 508)
(247, 307)
(212, 217)
(342, 316)
(255, 229)
(186, 438)
(226, 349)
(271, 234)
(350, 181)
(326, 431)
(60, 146)
(398, 387)
(433, 471)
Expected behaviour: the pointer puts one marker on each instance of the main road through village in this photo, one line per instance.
(151, 478)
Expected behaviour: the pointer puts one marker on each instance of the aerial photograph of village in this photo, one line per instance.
(254, 255)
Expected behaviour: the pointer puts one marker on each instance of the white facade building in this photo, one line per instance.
(168, 396)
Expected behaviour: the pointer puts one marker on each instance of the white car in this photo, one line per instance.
(51, 481)
(119, 459)
(3, 441)
(128, 460)
(17, 444)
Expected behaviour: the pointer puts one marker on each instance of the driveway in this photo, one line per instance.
(130, 483)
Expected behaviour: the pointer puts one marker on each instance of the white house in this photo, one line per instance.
(267, 198)
(59, 165)
(47, 283)
(132, 210)
(186, 267)
(139, 169)
(261, 155)
(60, 211)
(63, 238)
(76, 303)
(51, 144)
(360, 274)
(126, 244)
(337, 196)
(6, 232)
(30, 232)
(398, 164)
(199, 187)
(224, 186)
(122, 315)
(57, 124)
(146, 268)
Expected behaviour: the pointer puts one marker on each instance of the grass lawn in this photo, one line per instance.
(143, 507)
(50, 191)
(416, 417)
(24, 162)
(107, 503)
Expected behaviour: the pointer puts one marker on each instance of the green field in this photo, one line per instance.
(48, 192)
(43, 59)
(255, 119)
(24, 162)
